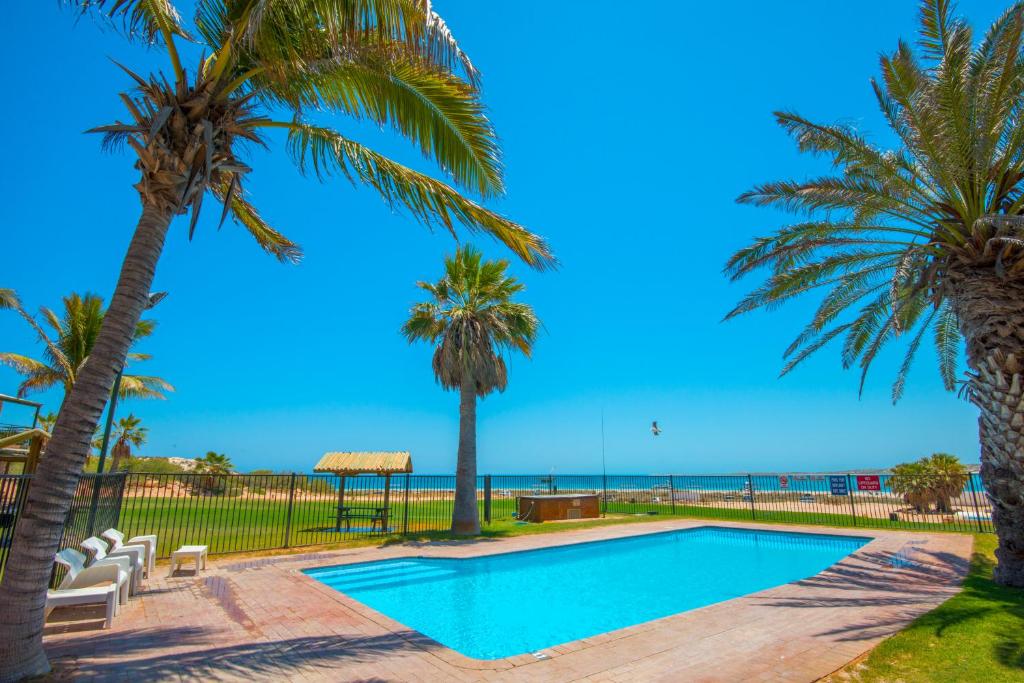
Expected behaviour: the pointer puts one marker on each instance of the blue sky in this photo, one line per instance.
(627, 137)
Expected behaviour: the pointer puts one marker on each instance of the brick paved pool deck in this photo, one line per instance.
(262, 619)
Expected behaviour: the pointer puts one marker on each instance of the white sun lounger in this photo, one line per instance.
(148, 541)
(98, 552)
(66, 597)
(106, 582)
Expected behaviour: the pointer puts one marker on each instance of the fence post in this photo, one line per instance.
(672, 492)
(604, 497)
(487, 498)
(288, 519)
(750, 488)
(120, 499)
(93, 504)
(974, 498)
(405, 508)
(849, 492)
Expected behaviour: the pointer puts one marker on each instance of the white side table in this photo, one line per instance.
(196, 553)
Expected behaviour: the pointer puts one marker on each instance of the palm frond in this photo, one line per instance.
(947, 345)
(144, 19)
(325, 152)
(143, 386)
(437, 111)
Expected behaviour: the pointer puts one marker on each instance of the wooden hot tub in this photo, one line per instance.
(560, 506)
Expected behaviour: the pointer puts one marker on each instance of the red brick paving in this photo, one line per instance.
(263, 619)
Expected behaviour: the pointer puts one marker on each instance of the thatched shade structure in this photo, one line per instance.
(365, 462)
(351, 463)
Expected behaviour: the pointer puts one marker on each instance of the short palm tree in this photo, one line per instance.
(73, 337)
(215, 466)
(266, 67)
(926, 238)
(214, 463)
(914, 481)
(127, 432)
(472, 319)
(950, 477)
(47, 421)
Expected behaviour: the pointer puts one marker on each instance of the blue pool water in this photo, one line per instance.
(512, 603)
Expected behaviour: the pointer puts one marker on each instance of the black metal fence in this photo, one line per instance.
(250, 512)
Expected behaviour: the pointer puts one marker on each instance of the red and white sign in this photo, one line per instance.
(783, 482)
(868, 482)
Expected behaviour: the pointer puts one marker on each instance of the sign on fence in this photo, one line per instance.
(868, 482)
(783, 482)
(837, 484)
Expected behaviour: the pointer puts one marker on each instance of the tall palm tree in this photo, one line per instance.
(926, 238)
(267, 65)
(74, 335)
(128, 432)
(471, 318)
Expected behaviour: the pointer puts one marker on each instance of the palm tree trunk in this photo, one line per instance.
(466, 516)
(118, 454)
(39, 529)
(991, 312)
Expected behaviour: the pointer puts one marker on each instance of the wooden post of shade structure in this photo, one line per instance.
(341, 502)
(35, 447)
(387, 495)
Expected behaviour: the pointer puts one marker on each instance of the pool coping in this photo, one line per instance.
(894, 542)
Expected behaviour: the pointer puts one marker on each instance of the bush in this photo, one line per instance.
(150, 466)
(935, 480)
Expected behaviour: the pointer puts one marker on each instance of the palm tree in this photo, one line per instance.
(214, 463)
(47, 421)
(926, 238)
(267, 65)
(74, 335)
(215, 466)
(471, 318)
(128, 432)
(949, 477)
(913, 481)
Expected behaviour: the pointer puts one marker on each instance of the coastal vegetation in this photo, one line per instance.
(472, 320)
(923, 239)
(264, 68)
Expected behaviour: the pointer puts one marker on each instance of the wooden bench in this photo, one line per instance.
(347, 513)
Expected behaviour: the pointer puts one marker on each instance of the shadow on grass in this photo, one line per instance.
(130, 655)
(911, 588)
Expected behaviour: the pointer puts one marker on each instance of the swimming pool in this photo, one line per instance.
(512, 603)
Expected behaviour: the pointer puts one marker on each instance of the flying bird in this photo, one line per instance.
(655, 429)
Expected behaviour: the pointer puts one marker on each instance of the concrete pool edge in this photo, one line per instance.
(893, 543)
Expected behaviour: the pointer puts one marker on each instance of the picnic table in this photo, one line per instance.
(376, 515)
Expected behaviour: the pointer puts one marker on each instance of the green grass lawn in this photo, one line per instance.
(978, 635)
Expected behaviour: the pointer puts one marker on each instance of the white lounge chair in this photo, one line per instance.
(105, 583)
(117, 541)
(98, 552)
(105, 594)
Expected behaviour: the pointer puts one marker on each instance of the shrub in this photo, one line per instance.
(933, 480)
